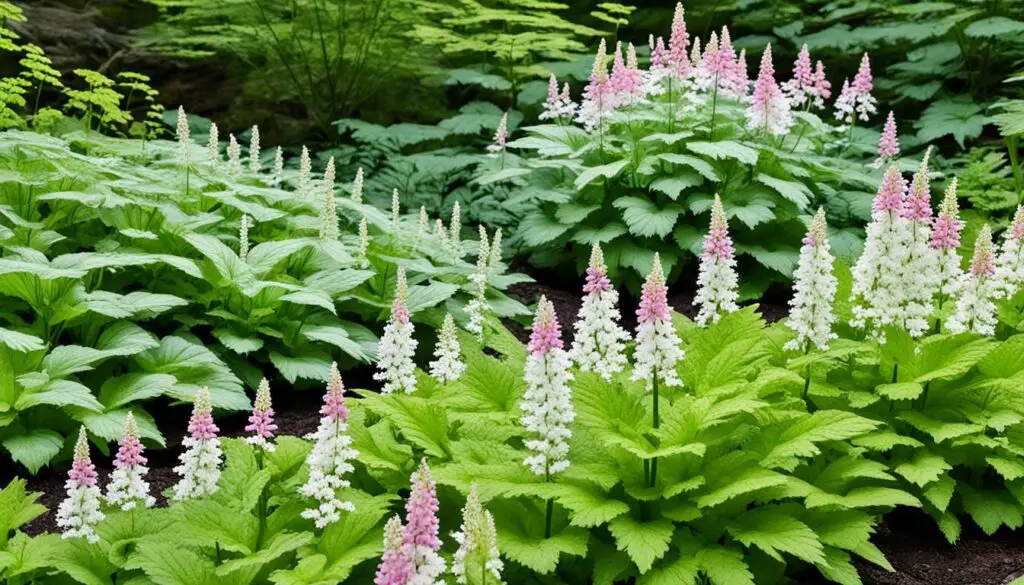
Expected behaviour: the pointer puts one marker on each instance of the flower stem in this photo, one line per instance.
(550, 508)
(657, 422)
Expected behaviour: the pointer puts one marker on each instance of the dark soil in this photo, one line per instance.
(921, 555)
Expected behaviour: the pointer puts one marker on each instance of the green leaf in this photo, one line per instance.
(724, 566)
(307, 367)
(800, 439)
(963, 119)
(520, 538)
(924, 468)
(774, 531)
(725, 149)
(900, 390)
(796, 192)
(590, 505)
(34, 448)
(17, 508)
(22, 342)
(990, 508)
(473, 77)
(422, 422)
(645, 218)
(537, 229)
(608, 171)
(122, 390)
(674, 185)
(239, 344)
(169, 563)
(644, 542)
(995, 26)
(700, 165)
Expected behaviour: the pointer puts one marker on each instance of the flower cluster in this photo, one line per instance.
(213, 145)
(184, 138)
(807, 86)
(234, 156)
(79, 513)
(128, 486)
(478, 542)
(397, 346)
(599, 341)
(1010, 264)
(411, 550)
(254, 150)
(329, 461)
(448, 365)
(657, 343)
(557, 105)
(769, 108)
(243, 237)
(278, 176)
(888, 143)
(975, 309)
(945, 241)
(500, 136)
(717, 281)
(200, 463)
(261, 421)
(814, 290)
(357, 186)
(920, 270)
(855, 100)
(547, 404)
(329, 210)
(878, 274)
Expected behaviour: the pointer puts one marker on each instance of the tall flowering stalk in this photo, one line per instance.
(477, 310)
(497, 147)
(814, 290)
(677, 44)
(800, 87)
(420, 539)
(254, 150)
(397, 346)
(946, 241)
(213, 145)
(234, 156)
(547, 404)
(599, 341)
(878, 274)
(478, 543)
(329, 461)
(598, 96)
(329, 210)
(200, 463)
(447, 365)
(305, 172)
(184, 137)
(396, 567)
(261, 421)
(855, 100)
(79, 513)
(657, 345)
(364, 243)
(888, 143)
(921, 268)
(455, 231)
(243, 237)
(396, 210)
(128, 486)
(975, 309)
(494, 258)
(769, 108)
(483, 258)
(1010, 264)
(357, 186)
(278, 178)
(717, 281)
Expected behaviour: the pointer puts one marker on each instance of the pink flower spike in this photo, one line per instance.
(769, 109)
(862, 82)
(334, 400)
(201, 426)
(421, 523)
(983, 264)
(695, 55)
(947, 227)
(891, 192)
(677, 43)
(659, 55)
(802, 73)
(261, 421)
(396, 568)
(129, 450)
(1017, 227)
(822, 88)
(83, 472)
(654, 295)
(718, 244)
(399, 309)
(889, 144)
(552, 89)
(597, 273)
(918, 204)
(546, 334)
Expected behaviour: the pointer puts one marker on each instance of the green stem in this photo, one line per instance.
(656, 423)
(262, 510)
(550, 508)
(714, 107)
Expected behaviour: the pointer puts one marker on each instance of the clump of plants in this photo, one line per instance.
(634, 164)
